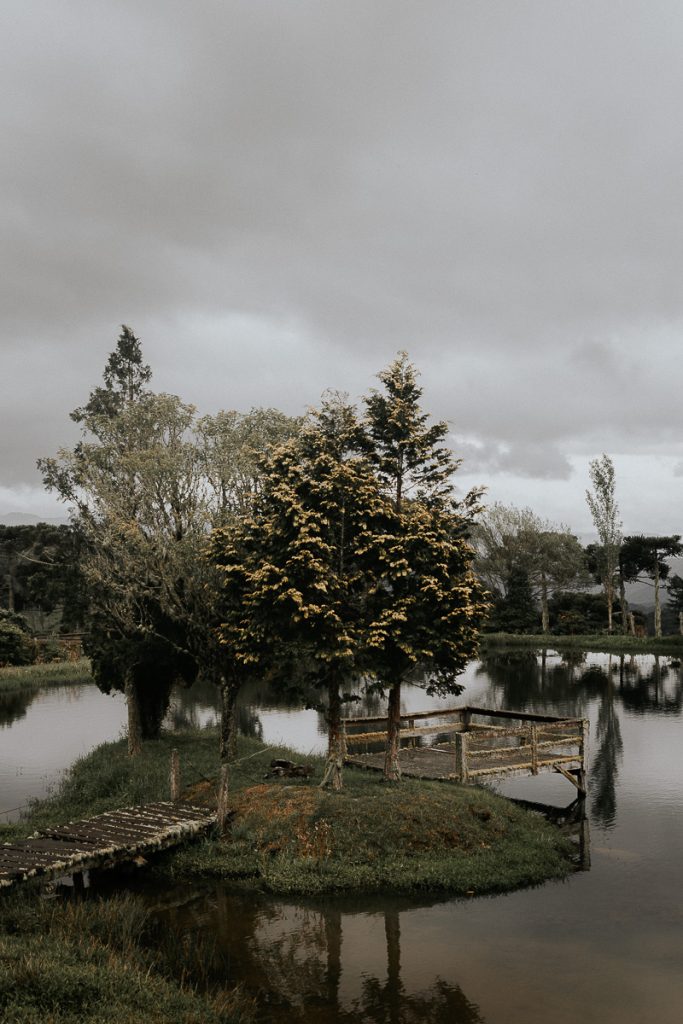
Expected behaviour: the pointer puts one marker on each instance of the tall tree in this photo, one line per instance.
(298, 570)
(426, 616)
(605, 512)
(647, 556)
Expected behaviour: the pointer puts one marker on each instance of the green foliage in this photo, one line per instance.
(125, 377)
(296, 572)
(577, 613)
(39, 569)
(511, 540)
(409, 453)
(16, 643)
(514, 611)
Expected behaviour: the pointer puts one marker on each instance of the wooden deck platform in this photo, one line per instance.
(101, 842)
(480, 748)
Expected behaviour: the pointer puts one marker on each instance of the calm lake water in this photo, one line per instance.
(604, 946)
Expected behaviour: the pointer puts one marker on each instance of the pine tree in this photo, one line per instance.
(125, 378)
(427, 611)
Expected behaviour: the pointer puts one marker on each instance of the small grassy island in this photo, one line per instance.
(288, 836)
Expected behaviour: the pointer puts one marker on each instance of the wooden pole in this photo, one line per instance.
(461, 741)
(175, 776)
(534, 749)
(223, 790)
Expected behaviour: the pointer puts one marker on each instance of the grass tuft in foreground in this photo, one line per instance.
(90, 962)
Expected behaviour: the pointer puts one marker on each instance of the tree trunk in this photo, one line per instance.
(392, 931)
(392, 767)
(680, 623)
(624, 605)
(134, 716)
(545, 614)
(335, 754)
(228, 748)
(609, 594)
(658, 603)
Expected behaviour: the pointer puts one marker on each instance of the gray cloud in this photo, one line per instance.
(277, 197)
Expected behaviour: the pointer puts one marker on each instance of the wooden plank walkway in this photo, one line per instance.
(102, 841)
(526, 744)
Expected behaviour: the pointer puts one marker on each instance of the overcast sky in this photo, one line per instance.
(278, 196)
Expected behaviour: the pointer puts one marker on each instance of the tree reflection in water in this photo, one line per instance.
(290, 959)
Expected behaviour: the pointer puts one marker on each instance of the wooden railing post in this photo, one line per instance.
(175, 776)
(534, 749)
(461, 742)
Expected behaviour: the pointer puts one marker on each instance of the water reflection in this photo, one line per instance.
(14, 705)
(292, 960)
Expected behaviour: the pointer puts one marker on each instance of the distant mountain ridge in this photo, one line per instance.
(27, 519)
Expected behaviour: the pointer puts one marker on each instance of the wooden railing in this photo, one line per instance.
(526, 743)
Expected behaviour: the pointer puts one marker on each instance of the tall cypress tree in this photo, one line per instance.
(428, 609)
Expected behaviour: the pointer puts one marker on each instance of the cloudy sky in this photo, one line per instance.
(278, 196)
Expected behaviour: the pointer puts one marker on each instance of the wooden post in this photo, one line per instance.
(175, 776)
(583, 753)
(466, 718)
(223, 799)
(461, 741)
(534, 749)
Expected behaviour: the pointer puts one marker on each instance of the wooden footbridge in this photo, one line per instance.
(104, 841)
(471, 744)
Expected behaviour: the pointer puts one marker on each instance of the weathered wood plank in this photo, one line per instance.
(106, 839)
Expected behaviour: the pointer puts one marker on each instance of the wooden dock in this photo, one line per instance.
(104, 841)
(470, 744)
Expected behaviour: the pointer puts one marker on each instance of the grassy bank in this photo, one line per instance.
(57, 673)
(289, 837)
(96, 961)
(597, 642)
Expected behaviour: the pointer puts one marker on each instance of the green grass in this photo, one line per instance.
(290, 838)
(616, 643)
(57, 673)
(93, 962)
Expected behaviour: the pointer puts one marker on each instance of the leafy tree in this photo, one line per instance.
(427, 613)
(39, 564)
(675, 590)
(641, 555)
(605, 512)
(577, 614)
(511, 541)
(147, 484)
(16, 642)
(299, 569)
